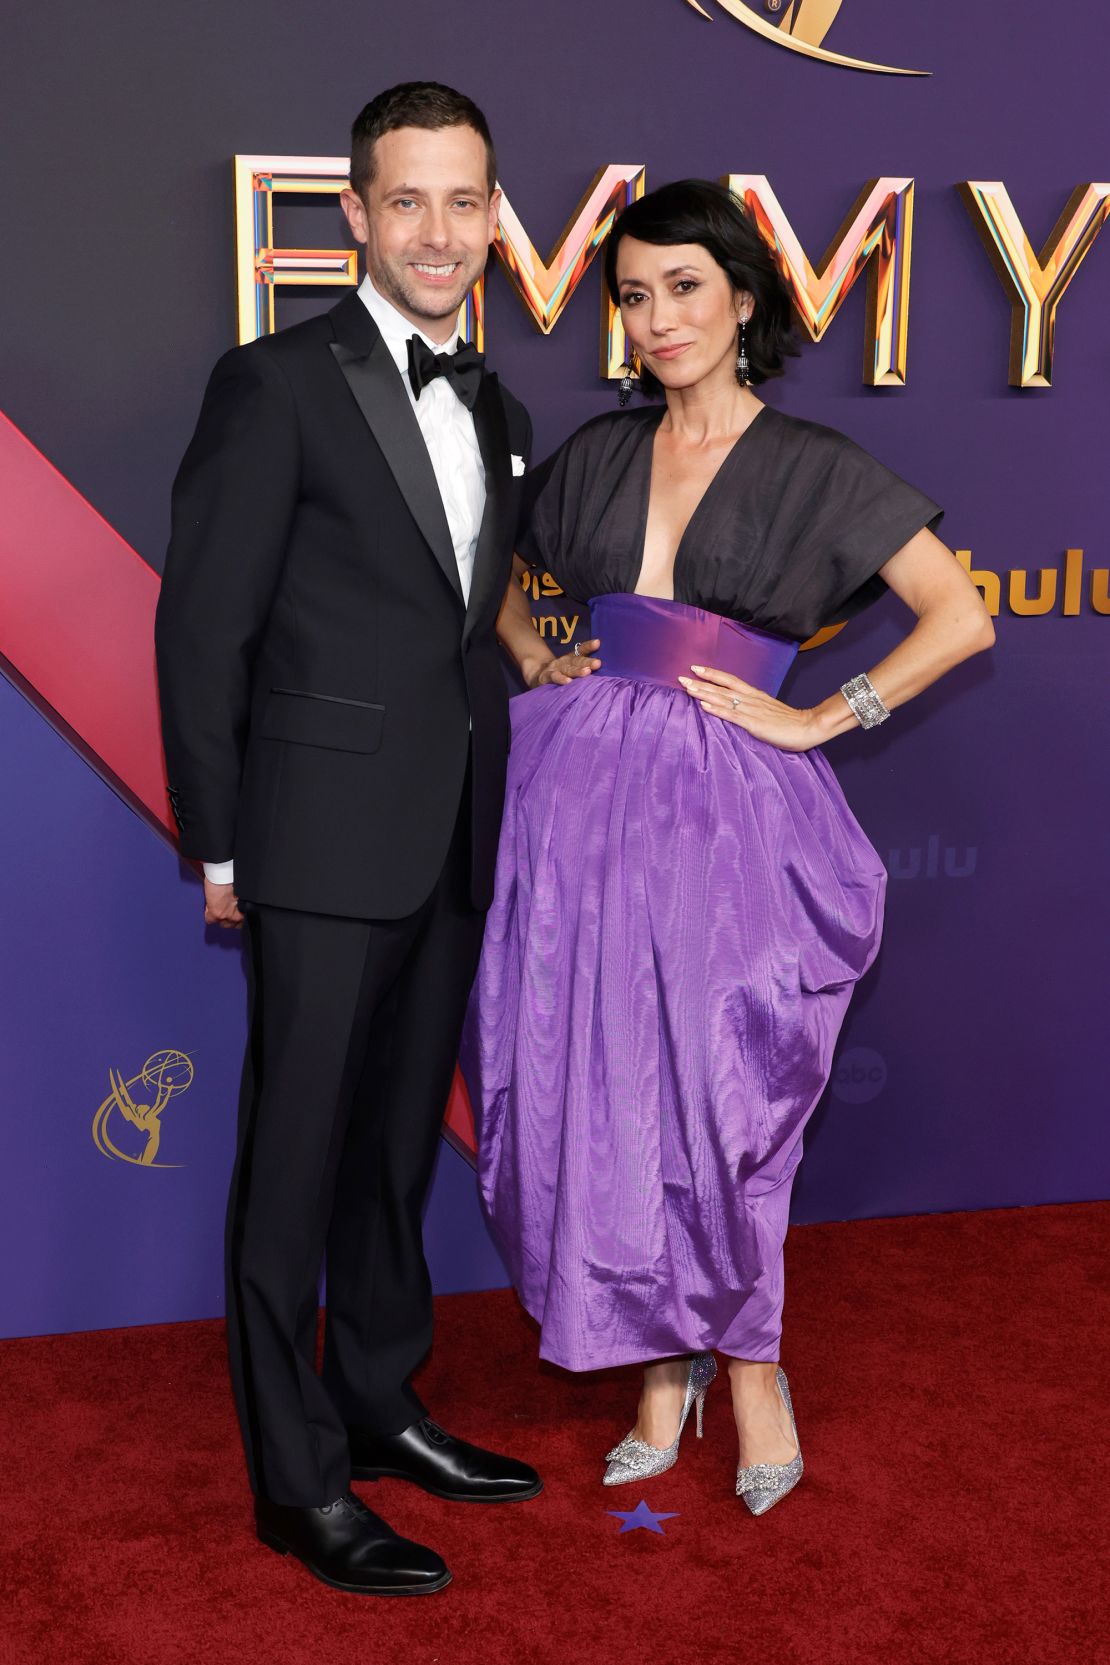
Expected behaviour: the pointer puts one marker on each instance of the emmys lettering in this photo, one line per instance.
(875, 236)
(132, 1112)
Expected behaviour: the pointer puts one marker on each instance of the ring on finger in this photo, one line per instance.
(734, 704)
(578, 650)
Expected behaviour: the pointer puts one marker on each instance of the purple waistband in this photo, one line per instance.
(652, 640)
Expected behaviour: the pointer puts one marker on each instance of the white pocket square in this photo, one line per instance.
(518, 466)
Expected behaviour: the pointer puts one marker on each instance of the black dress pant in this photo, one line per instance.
(354, 1028)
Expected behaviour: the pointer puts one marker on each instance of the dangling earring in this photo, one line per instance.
(627, 385)
(743, 364)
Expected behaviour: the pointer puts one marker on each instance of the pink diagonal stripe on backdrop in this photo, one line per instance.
(77, 623)
(77, 630)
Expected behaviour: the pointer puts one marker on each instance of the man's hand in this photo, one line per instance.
(221, 905)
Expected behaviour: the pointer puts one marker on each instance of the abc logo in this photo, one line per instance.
(859, 1075)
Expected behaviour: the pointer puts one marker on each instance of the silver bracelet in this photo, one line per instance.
(864, 701)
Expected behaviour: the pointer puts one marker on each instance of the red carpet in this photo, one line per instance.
(950, 1376)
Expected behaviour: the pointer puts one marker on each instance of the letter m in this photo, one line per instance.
(877, 233)
(545, 286)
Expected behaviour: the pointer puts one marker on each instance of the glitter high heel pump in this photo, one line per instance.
(632, 1459)
(765, 1484)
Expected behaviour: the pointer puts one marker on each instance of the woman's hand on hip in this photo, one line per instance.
(726, 696)
(571, 665)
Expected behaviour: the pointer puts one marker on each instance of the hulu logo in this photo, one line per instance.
(932, 861)
(1069, 588)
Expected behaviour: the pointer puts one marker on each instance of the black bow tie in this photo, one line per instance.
(463, 369)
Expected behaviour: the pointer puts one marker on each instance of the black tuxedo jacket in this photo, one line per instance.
(318, 670)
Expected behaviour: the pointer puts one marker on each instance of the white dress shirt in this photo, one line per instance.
(448, 430)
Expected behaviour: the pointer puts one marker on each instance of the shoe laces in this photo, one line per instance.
(350, 1505)
(436, 1434)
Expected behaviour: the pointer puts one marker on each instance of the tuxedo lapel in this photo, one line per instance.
(372, 377)
(490, 564)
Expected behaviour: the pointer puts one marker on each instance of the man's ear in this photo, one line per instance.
(355, 210)
(494, 213)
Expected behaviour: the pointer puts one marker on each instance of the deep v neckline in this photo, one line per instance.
(645, 501)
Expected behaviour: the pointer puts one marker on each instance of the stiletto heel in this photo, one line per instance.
(765, 1484)
(632, 1459)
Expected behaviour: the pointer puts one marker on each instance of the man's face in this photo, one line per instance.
(427, 221)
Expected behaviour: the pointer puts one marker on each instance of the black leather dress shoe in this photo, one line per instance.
(346, 1546)
(442, 1465)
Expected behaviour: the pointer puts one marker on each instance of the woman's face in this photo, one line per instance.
(679, 310)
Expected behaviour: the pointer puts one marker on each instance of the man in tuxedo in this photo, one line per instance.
(336, 728)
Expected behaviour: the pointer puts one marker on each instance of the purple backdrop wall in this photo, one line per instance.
(967, 1075)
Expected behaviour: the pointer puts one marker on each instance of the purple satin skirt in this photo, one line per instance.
(681, 913)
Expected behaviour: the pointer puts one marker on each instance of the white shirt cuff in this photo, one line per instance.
(220, 872)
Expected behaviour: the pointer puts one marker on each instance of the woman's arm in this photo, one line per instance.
(952, 624)
(518, 636)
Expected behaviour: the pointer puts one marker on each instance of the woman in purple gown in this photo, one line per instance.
(684, 899)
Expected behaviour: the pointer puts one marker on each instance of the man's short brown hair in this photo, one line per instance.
(414, 104)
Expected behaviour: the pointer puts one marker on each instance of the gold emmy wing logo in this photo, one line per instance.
(801, 27)
(139, 1104)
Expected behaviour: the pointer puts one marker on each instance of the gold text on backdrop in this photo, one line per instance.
(876, 233)
(875, 236)
(1035, 283)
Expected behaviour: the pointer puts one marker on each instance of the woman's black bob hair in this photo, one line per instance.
(701, 211)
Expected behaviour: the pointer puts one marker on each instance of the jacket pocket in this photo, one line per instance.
(307, 719)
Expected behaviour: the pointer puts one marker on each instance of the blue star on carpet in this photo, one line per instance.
(641, 1515)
